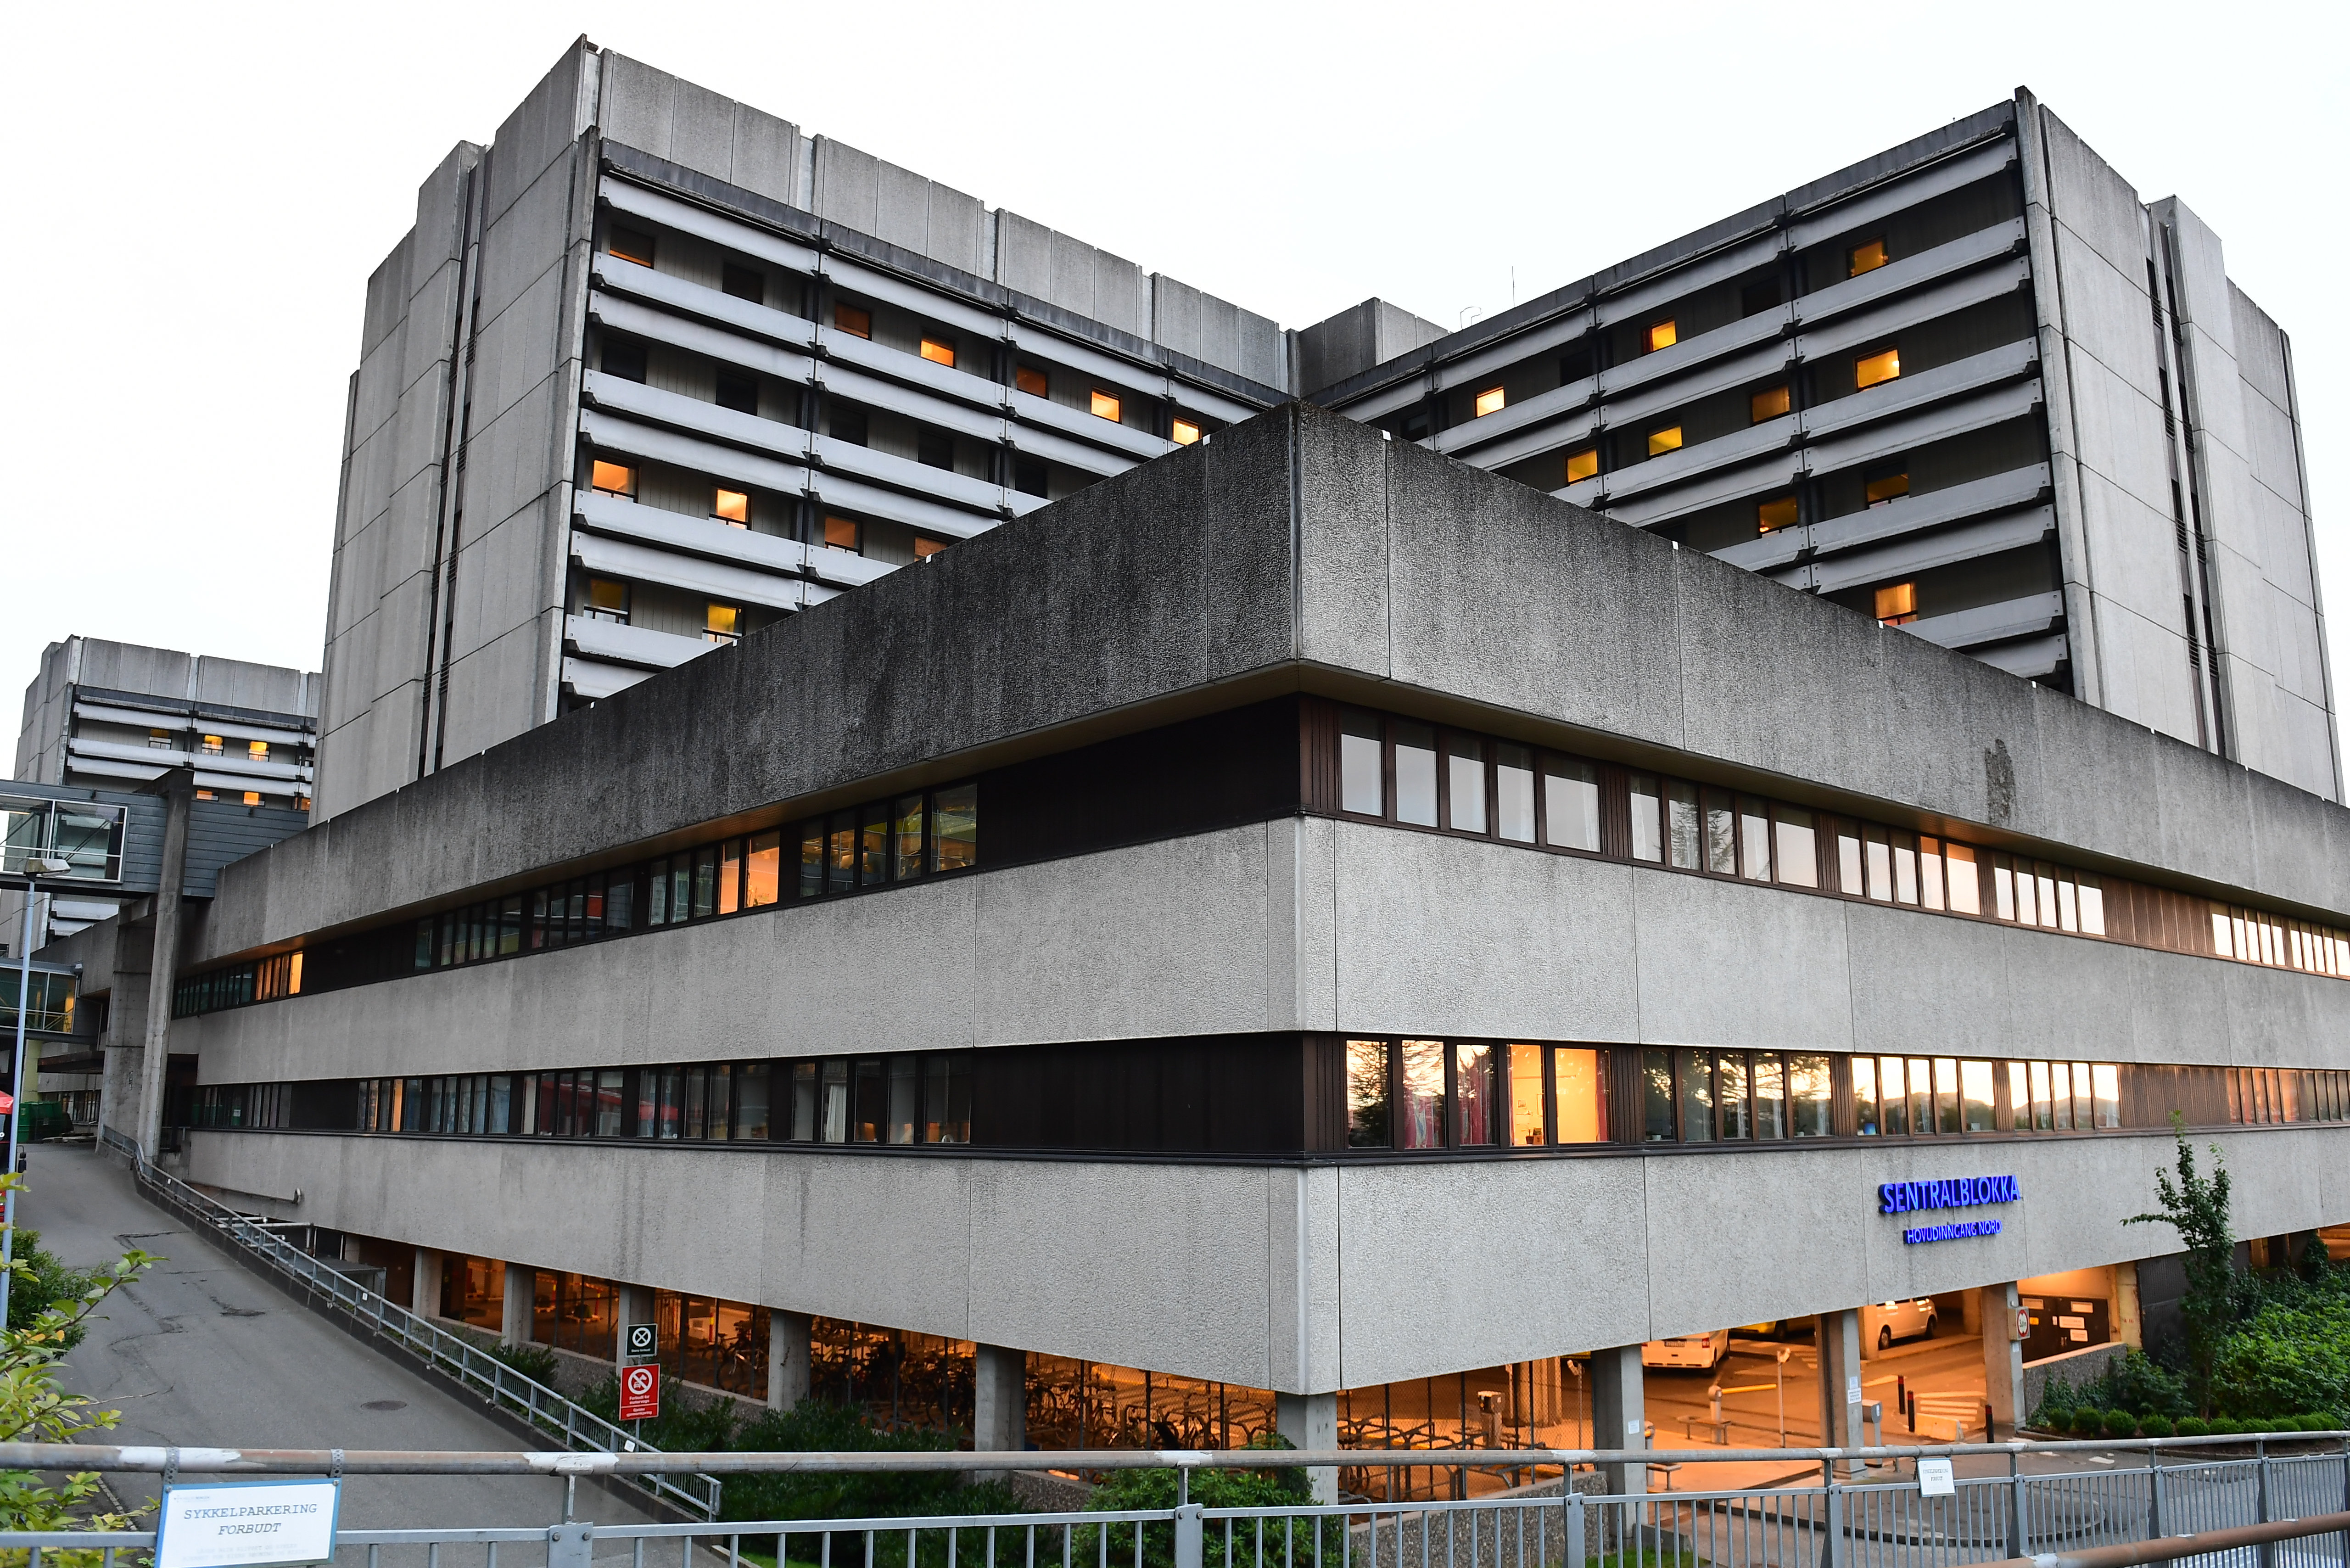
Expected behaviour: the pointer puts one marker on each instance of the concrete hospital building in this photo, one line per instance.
(976, 830)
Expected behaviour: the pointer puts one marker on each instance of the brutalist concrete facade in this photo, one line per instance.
(1299, 552)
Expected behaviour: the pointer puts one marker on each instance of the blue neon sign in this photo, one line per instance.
(1961, 1192)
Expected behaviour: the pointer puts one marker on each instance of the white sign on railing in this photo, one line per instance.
(247, 1525)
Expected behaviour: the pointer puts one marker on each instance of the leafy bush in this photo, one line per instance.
(1135, 1490)
(2291, 1356)
(2088, 1422)
(43, 1282)
(2120, 1424)
(2053, 1414)
(2194, 1427)
(536, 1361)
(2155, 1426)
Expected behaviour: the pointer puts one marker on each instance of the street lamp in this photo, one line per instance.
(36, 868)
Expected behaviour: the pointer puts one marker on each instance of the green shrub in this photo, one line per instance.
(2050, 1418)
(1127, 1491)
(41, 1283)
(2088, 1422)
(536, 1361)
(2120, 1424)
(2155, 1426)
(2194, 1427)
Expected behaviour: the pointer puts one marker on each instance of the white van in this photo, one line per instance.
(1702, 1351)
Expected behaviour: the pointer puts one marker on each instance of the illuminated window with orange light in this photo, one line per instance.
(1865, 258)
(253, 798)
(1104, 407)
(612, 478)
(1183, 432)
(1491, 401)
(731, 506)
(205, 795)
(212, 746)
(722, 623)
(925, 548)
(1871, 368)
(1582, 465)
(1886, 489)
(1033, 382)
(1896, 605)
(1664, 441)
(607, 601)
(258, 751)
(160, 739)
(631, 246)
(840, 533)
(1776, 513)
(939, 352)
(1768, 404)
(856, 323)
(1662, 336)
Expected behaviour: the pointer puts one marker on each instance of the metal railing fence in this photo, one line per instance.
(477, 1371)
(1878, 1518)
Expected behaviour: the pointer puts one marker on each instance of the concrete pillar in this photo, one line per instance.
(1619, 1414)
(424, 1298)
(1838, 1334)
(999, 1420)
(2129, 1322)
(2002, 1359)
(1310, 1421)
(517, 1304)
(788, 1359)
(178, 789)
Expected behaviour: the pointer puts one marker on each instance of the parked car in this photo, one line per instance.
(1888, 1321)
(1702, 1351)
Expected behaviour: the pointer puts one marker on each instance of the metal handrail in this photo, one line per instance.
(586, 1435)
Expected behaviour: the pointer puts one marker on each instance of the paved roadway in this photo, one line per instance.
(199, 1351)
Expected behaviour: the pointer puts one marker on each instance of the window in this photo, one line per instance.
(1776, 513)
(631, 246)
(1183, 432)
(1571, 805)
(906, 847)
(1661, 336)
(1514, 793)
(1361, 787)
(1419, 1108)
(1763, 294)
(1796, 845)
(1864, 1096)
(1870, 368)
(1525, 1069)
(1366, 1095)
(1415, 774)
(1664, 441)
(955, 828)
(840, 534)
(1867, 257)
(847, 423)
(1975, 1080)
(925, 548)
(739, 393)
(612, 478)
(1753, 839)
(1648, 842)
(1105, 406)
(853, 320)
(1475, 1095)
(1491, 401)
(258, 751)
(624, 359)
(1582, 465)
(1028, 378)
(607, 601)
(934, 448)
(1898, 605)
(1767, 404)
(160, 739)
(1808, 1097)
(1882, 489)
(1465, 779)
(722, 623)
(731, 506)
(1695, 1076)
(1656, 1097)
(1028, 476)
(1769, 1080)
(1684, 836)
(744, 282)
(253, 798)
(939, 351)
(1580, 1095)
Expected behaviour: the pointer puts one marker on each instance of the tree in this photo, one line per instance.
(32, 1409)
(2196, 1206)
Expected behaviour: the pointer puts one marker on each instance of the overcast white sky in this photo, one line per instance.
(200, 191)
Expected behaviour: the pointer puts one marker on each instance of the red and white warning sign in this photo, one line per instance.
(639, 1393)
